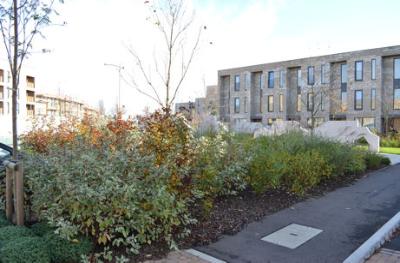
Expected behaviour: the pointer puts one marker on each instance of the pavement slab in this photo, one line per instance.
(347, 217)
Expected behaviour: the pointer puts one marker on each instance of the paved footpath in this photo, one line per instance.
(347, 217)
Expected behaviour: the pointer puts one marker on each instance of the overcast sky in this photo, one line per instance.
(242, 32)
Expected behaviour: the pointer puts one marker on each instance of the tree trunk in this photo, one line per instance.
(15, 83)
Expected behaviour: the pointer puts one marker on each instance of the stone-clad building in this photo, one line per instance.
(362, 85)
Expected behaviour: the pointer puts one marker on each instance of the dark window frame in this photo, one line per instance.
(394, 68)
(394, 99)
(310, 99)
(355, 99)
(362, 70)
(271, 82)
(298, 78)
(373, 69)
(237, 83)
(270, 109)
(236, 106)
(341, 73)
(309, 81)
(373, 99)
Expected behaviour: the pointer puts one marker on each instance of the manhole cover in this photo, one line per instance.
(292, 236)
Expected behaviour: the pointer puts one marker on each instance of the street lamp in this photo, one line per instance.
(119, 68)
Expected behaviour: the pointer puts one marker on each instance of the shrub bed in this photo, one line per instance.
(126, 184)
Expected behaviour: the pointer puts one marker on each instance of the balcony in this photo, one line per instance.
(30, 96)
(30, 82)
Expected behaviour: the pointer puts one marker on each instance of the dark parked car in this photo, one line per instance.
(5, 154)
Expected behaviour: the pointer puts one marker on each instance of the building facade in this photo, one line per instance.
(26, 102)
(361, 85)
(60, 107)
(207, 105)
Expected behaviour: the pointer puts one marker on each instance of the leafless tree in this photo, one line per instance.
(315, 103)
(20, 22)
(176, 26)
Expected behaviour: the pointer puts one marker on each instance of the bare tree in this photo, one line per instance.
(314, 103)
(20, 22)
(175, 24)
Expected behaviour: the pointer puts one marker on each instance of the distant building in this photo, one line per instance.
(61, 107)
(26, 102)
(361, 85)
(201, 106)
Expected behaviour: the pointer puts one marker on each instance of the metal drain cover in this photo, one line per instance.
(292, 236)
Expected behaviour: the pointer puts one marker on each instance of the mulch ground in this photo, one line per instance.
(231, 214)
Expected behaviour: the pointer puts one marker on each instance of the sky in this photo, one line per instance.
(242, 32)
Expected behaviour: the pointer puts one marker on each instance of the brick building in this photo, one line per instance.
(362, 85)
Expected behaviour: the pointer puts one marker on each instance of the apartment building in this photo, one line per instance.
(361, 85)
(61, 107)
(207, 105)
(26, 98)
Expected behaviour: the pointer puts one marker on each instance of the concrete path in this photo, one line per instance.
(347, 217)
(394, 158)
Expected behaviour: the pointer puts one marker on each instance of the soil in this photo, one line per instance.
(245, 208)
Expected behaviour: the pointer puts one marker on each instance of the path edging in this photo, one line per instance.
(375, 241)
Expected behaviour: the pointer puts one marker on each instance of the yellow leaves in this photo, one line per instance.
(103, 238)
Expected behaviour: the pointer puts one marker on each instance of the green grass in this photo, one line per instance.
(391, 150)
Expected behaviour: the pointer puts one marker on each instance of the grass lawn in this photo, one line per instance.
(391, 150)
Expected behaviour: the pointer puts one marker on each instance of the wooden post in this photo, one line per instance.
(19, 194)
(9, 193)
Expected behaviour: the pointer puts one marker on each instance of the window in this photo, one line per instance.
(368, 122)
(397, 68)
(237, 105)
(271, 79)
(310, 75)
(324, 72)
(299, 78)
(373, 69)
(396, 98)
(358, 99)
(282, 79)
(298, 102)
(247, 80)
(359, 70)
(322, 102)
(237, 82)
(373, 99)
(270, 103)
(343, 100)
(310, 101)
(281, 102)
(343, 71)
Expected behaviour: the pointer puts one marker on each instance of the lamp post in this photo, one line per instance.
(119, 68)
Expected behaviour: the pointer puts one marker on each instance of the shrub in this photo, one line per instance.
(375, 161)
(9, 233)
(268, 164)
(390, 140)
(25, 249)
(117, 196)
(306, 170)
(64, 251)
(41, 229)
(219, 166)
